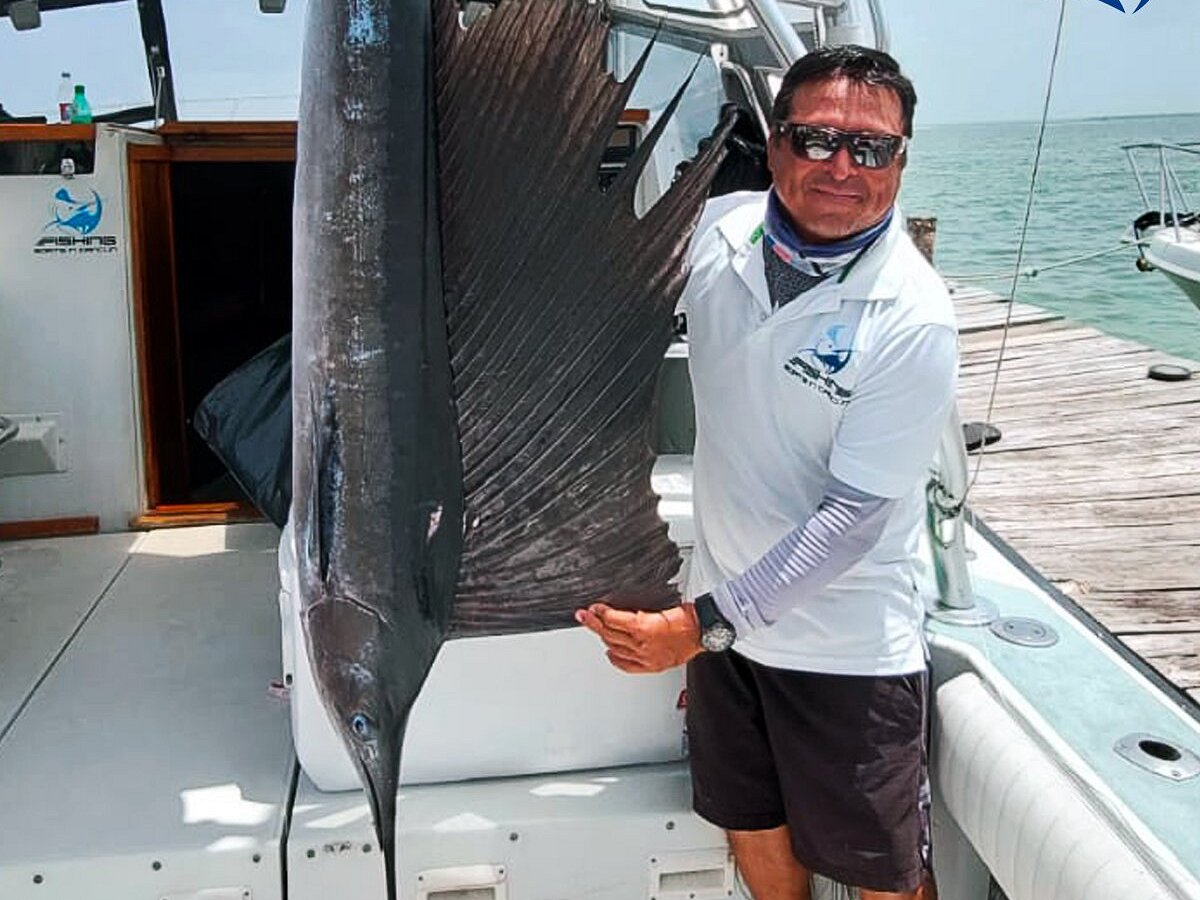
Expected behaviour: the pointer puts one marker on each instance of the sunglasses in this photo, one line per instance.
(818, 143)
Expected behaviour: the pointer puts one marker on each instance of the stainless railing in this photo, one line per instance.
(1173, 201)
(8, 430)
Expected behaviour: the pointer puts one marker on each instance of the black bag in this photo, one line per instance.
(247, 421)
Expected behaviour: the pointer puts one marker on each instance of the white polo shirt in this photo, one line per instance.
(852, 380)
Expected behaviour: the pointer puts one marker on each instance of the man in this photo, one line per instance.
(823, 360)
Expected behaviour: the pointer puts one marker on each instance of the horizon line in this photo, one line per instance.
(1058, 120)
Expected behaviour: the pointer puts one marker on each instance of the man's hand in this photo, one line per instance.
(645, 642)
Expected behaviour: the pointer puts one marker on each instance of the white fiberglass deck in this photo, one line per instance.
(47, 589)
(1074, 700)
(150, 761)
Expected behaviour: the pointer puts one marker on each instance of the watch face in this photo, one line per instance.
(717, 637)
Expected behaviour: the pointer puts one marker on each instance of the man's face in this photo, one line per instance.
(833, 199)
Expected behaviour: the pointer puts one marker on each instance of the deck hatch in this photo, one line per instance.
(1024, 632)
(471, 882)
(691, 875)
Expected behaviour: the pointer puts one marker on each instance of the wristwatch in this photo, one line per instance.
(716, 632)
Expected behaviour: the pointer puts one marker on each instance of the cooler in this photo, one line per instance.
(508, 705)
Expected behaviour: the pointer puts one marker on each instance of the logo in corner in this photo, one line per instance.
(1117, 4)
(72, 228)
(79, 216)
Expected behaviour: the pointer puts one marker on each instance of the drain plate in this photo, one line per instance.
(1024, 632)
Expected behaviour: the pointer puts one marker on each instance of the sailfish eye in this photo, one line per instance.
(361, 725)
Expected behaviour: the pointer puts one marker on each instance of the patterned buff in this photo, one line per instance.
(793, 265)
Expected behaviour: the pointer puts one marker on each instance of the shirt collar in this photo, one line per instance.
(878, 275)
(830, 254)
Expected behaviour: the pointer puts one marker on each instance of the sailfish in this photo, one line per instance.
(477, 331)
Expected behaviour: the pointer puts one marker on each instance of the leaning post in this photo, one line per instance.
(923, 231)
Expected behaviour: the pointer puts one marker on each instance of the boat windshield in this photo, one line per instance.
(228, 60)
(702, 22)
(232, 61)
(101, 46)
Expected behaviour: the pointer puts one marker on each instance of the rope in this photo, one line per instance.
(1037, 270)
(1016, 273)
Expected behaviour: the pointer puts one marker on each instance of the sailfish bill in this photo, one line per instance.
(477, 331)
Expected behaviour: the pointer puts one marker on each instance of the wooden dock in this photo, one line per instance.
(1096, 480)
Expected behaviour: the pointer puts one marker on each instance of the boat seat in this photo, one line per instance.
(1027, 821)
(1153, 219)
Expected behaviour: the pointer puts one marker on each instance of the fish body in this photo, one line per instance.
(377, 480)
(477, 333)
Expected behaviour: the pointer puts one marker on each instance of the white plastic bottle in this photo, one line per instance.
(66, 98)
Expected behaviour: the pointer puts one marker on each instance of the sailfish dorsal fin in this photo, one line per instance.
(559, 302)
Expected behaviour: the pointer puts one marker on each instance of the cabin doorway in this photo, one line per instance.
(212, 243)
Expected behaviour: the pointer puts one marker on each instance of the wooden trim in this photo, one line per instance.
(237, 129)
(232, 154)
(155, 293)
(148, 153)
(137, 303)
(46, 528)
(156, 319)
(222, 142)
(231, 141)
(47, 133)
(177, 515)
(209, 153)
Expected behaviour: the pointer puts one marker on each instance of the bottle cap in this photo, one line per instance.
(79, 88)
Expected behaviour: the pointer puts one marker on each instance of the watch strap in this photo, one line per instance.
(709, 615)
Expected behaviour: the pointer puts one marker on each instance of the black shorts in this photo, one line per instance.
(840, 759)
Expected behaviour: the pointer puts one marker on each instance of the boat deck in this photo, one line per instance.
(1096, 480)
(141, 754)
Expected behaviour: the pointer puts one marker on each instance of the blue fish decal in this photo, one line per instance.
(1140, 5)
(80, 216)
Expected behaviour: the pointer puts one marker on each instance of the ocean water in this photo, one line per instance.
(975, 179)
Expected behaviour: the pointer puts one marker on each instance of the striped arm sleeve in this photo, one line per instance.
(846, 525)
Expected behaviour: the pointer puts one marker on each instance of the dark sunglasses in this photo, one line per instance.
(819, 143)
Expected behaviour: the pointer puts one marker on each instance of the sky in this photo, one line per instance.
(988, 60)
(971, 60)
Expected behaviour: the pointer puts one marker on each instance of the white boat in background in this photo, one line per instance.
(1168, 232)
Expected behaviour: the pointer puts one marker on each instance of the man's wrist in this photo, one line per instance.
(717, 633)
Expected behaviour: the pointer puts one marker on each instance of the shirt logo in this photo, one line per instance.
(831, 351)
(816, 365)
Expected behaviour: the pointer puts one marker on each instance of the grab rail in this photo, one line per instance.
(1172, 199)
